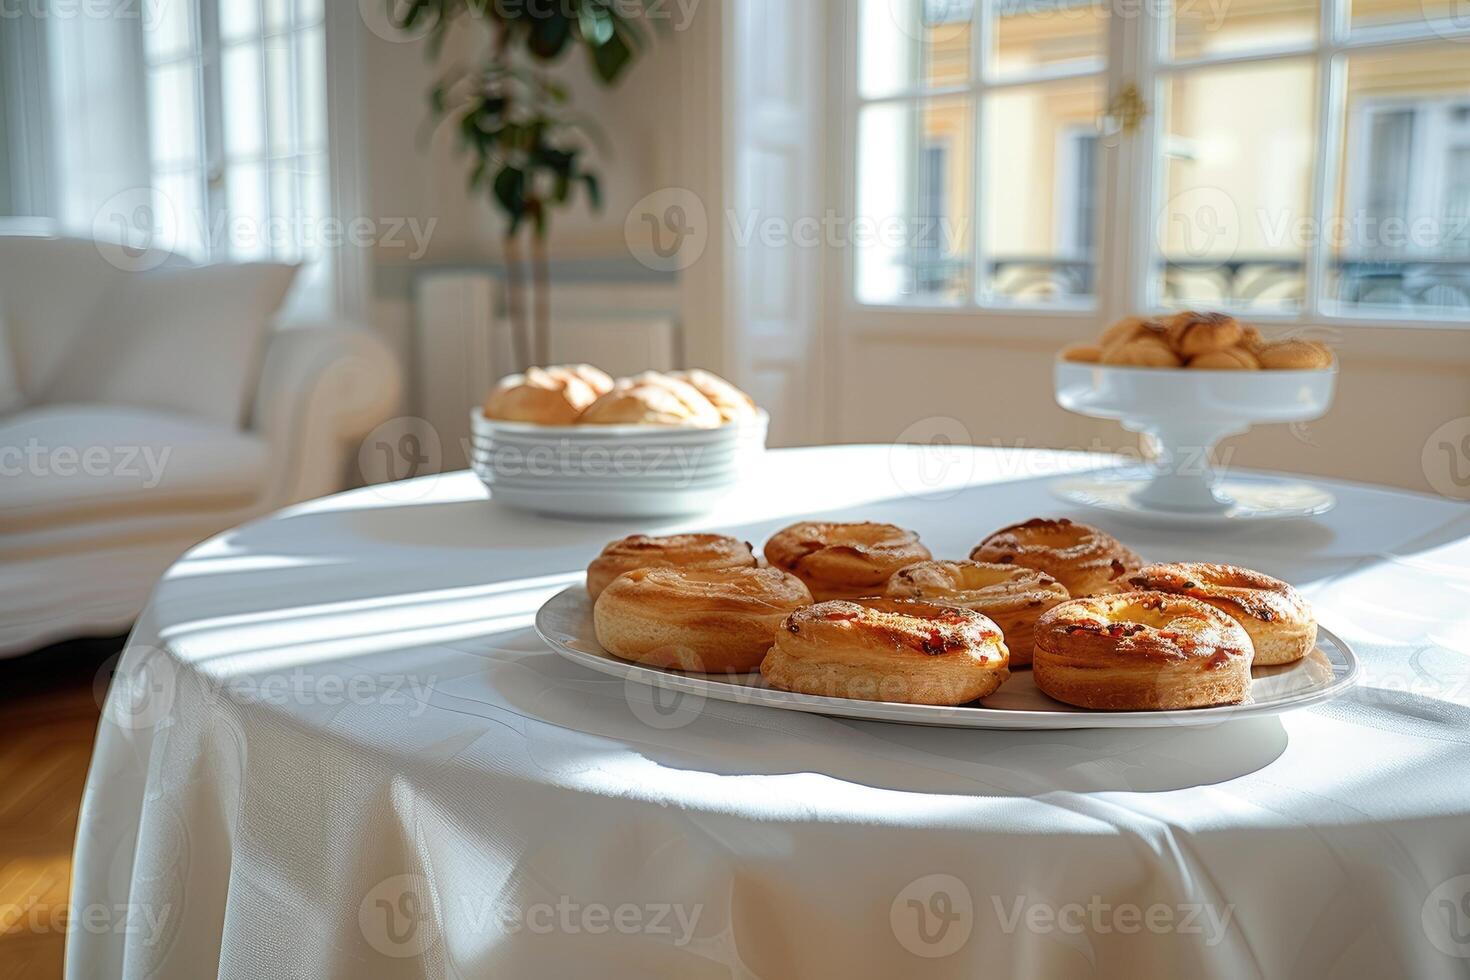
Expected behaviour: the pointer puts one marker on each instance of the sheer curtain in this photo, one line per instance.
(199, 126)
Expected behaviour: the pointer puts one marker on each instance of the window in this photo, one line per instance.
(931, 74)
(237, 122)
(1299, 160)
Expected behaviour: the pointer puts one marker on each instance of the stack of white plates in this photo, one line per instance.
(612, 470)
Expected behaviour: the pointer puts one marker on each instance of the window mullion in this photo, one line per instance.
(212, 128)
(980, 49)
(1125, 273)
(1331, 95)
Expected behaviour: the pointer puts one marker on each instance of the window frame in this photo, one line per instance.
(1130, 166)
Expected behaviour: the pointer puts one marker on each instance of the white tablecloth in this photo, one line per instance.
(335, 748)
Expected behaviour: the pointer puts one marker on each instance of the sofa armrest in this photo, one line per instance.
(322, 390)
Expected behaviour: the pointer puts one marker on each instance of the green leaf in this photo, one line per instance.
(549, 35)
(510, 193)
(596, 24)
(594, 190)
(611, 58)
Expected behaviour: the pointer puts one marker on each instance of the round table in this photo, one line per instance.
(334, 747)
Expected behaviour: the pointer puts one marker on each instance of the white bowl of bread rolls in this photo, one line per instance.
(572, 441)
(1188, 381)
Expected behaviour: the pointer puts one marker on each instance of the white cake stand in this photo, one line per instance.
(1186, 413)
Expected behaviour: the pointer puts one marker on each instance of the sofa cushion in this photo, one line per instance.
(186, 340)
(74, 464)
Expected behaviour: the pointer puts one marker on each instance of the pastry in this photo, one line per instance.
(1141, 651)
(730, 401)
(1251, 339)
(547, 396)
(1229, 359)
(1129, 328)
(1191, 334)
(669, 551)
(1082, 354)
(888, 650)
(1145, 351)
(1013, 596)
(652, 399)
(1085, 560)
(1295, 355)
(1273, 614)
(844, 561)
(712, 620)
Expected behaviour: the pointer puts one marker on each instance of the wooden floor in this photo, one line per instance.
(48, 717)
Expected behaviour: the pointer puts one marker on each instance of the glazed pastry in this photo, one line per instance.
(1085, 560)
(844, 561)
(888, 650)
(731, 402)
(1295, 355)
(701, 619)
(652, 399)
(1192, 334)
(1230, 359)
(547, 396)
(1273, 614)
(1013, 596)
(1141, 651)
(1129, 328)
(670, 551)
(1082, 354)
(1146, 351)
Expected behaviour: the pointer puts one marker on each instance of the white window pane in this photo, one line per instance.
(1239, 148)
(907, 43)
(243, 99)
(1208, 28)
(1429, 13)
(1028, 36)
(285, 207)
(249, 229)
(915, 177)
(1039, 216)
(280, 93)
(168, 30)
(179, 203)
(1401, 239)
(173, 118)
(239, 19)
(309, 11)
(277, 15)
(312, 88)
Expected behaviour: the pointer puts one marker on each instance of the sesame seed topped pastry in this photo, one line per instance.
(668, 551)
(1192, 334)
(1084, 559)
(711, 620)
(888, 650)
(1013, 596)
(1141, 651)
(1275, 616)
(844, 560)
(1295, 355)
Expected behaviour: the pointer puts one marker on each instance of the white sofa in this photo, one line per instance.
(114, 459)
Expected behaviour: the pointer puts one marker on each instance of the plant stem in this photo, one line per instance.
(541, 283)
(515, 302)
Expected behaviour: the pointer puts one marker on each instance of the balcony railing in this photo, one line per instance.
(1439, 283)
